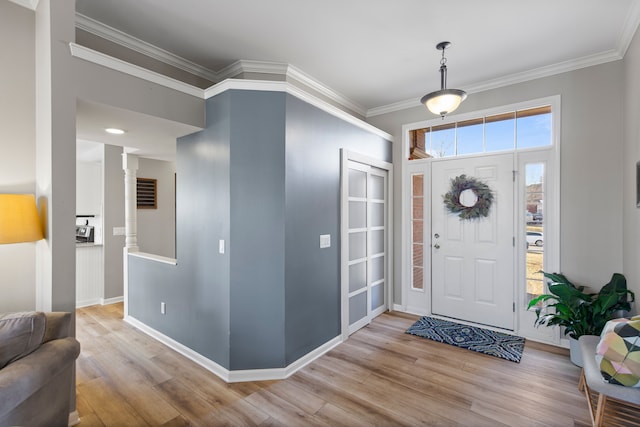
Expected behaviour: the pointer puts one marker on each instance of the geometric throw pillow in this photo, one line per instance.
(618, 352)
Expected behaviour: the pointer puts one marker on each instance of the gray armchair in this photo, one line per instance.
(37, 356)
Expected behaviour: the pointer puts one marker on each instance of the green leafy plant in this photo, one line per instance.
(578, 312)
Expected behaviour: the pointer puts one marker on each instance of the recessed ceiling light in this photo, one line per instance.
(114, 131)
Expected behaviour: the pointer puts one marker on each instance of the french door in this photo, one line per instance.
(365, 243)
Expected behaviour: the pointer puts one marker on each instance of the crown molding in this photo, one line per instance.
(116, 64)
(99, 29)
(29, 4)
(537, 73)
(242, 66)
(286, 87)
(292, 73)
(396, 106)
(627, 32)
(246, 66)
(629, 28)
(305, 79)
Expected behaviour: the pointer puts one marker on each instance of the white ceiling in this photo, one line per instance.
(146, 136)
(382, 52)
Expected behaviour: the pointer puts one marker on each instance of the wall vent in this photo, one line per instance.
(147, 193)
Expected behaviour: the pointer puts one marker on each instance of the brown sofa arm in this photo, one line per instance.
(57, 325)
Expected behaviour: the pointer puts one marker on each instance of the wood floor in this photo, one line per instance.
(379, 377)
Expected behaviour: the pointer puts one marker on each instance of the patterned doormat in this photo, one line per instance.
(496, 344)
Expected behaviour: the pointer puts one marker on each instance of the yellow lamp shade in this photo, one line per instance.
(19, 220)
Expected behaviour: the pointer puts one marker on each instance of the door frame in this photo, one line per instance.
(418, 302)
(345, 157)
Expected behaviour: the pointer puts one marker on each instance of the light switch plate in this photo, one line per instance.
(325, 241)
(221, 246)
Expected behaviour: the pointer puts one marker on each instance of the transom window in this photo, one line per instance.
(515, 130)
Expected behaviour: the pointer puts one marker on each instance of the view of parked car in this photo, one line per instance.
(534, 238)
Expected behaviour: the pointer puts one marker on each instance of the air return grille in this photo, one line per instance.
(147, 193)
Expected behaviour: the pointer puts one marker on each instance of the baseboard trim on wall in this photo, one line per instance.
(89, 302)
(239, 375)
(418, 311)
(282, 373)
(74, 418)
(101, 301)
(410, 310)
(114, 300)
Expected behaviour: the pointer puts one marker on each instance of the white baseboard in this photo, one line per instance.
(87, 303)
(99, 301)
(418, 311)
(114, 300)
(238, 375)
(74, 418)
(282, 373)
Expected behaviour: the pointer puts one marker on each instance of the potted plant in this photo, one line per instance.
(580, 313)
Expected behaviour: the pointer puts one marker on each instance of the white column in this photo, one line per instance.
(130, 166)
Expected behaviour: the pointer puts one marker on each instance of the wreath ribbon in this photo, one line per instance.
(480, 189)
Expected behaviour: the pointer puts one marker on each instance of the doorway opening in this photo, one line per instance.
(366, 264)
(484, 270)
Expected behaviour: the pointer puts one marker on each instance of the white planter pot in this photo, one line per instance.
(574, 352)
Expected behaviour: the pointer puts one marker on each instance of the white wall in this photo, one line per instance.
(631, 156)
(591, 179)
(17, 146)
(157, 227)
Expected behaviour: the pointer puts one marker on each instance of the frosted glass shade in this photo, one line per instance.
(19, 220)
(444, 101)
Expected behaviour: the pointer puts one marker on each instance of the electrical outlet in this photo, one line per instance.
(325, 241)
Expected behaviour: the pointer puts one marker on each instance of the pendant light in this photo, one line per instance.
(443, 101)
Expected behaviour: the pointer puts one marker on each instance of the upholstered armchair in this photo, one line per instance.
(37, 356)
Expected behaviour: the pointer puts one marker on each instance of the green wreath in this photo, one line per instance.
(479, 188)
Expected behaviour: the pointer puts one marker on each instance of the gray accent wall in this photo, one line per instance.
(264, 176)
(257, 229)
(196, 290)
(312, 300)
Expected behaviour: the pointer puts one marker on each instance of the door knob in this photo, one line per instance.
(436, 235)
(437, 246)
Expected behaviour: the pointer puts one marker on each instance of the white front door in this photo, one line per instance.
(473, 259)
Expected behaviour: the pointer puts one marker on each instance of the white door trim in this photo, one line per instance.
(420, 304)
(346, 157)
